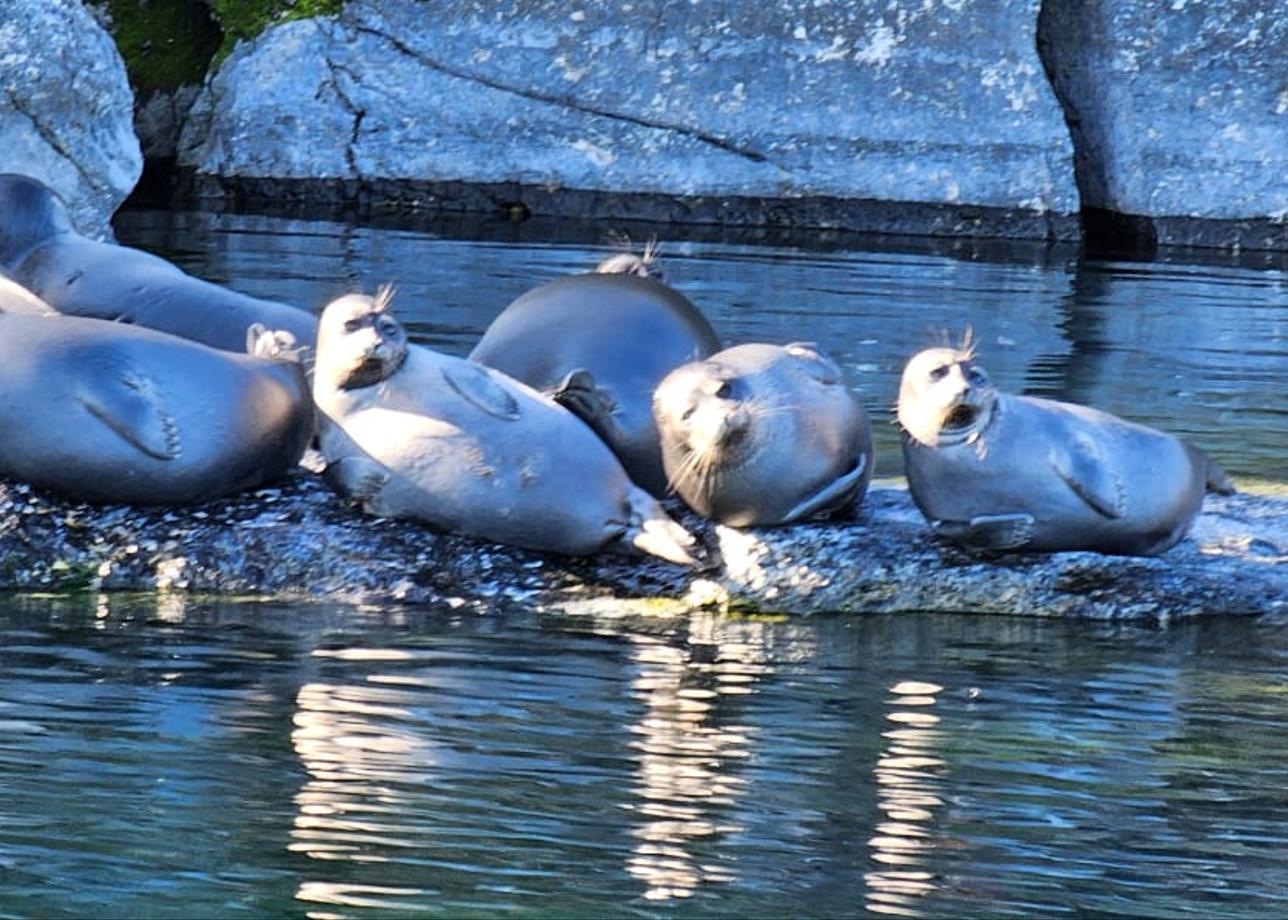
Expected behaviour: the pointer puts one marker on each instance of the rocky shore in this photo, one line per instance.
(298, 541)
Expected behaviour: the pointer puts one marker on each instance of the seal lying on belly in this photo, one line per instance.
(413, 433)
(762, 434)
(999, 472)
(598, 344)
(78, 276)
(112, 413)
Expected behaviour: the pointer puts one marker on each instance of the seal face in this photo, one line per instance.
(412, 433)
(763, 434)
(999, 472)
(113, 413)
(599, 344)
(79, 276)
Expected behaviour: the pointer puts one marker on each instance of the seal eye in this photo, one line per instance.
(725, 391)
(353, 325)
(939, 373)
(688, 413)
(976, 375)
(388, 328)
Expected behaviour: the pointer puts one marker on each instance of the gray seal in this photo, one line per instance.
(413, 433)
(113, 413)
(598, 344)
(993, 471)
(764, 434)
(79, 276)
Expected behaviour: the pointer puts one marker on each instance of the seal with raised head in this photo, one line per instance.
(994, 471)
(413, 433)
(113, 413)
(78, 276)
(598, 344)
(764, 434)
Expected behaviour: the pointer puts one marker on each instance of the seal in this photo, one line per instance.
(993, 471)
(413, 433)
(114, 413)
(764, 434)
(78, 276)
(599, 344)
(14, 298)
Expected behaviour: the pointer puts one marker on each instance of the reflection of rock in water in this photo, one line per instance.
(908, 780)
(690, 746)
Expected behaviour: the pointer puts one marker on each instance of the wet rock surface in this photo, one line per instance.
(66, 108)
(944, 106)
(297, 540)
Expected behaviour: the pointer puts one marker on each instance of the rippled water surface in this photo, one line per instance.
(172, 760)
(1199, 350)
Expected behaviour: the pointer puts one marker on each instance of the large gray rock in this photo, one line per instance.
(66, 108)
(1179, 112)
(299, 541)
(939, 104)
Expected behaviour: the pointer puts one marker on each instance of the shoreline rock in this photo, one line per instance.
(297, 541)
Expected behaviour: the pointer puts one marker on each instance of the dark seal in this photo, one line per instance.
(599, 344)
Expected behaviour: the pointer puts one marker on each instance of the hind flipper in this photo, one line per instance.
(359, 478)
(578, 393)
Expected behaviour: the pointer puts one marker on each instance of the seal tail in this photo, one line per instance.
(651, 531)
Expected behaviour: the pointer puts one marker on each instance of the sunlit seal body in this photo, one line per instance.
(413, 433)
(599, 344)
(78, 276)
(764, 434)
(112, 413)
(999, 472)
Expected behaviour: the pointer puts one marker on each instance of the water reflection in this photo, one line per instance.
(908, 783)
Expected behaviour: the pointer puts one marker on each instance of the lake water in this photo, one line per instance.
(200, 759)
(172, 757)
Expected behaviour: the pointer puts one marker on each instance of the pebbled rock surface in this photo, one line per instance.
(299, 541)
(936, 104)
(1179, 113)
(66, 108)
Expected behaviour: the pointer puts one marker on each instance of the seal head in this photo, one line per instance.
(945, 398)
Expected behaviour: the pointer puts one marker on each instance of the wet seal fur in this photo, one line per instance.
(997, 472)
(113, 413)
(762, 434)
(598, 344)
(78, 276)
(412, 433)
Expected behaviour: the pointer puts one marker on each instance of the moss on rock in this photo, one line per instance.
(165, 43)
(242, 19)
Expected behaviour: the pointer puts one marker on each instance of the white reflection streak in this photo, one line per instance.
(907, 784)
(347, 738)
(684, 758)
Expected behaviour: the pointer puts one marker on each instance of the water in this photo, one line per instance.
(176, 759)
(1198, 350)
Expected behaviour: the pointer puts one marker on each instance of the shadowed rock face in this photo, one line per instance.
(298, 540)
(940, 104)
(66, 109)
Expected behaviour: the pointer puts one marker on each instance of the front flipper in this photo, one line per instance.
(651, 531)
(990, 531)
(359, 478)
(475, 384)
(128, 402)
(1084, 471)
(578, 394)
(833, 498)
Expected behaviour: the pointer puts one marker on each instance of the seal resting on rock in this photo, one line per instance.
(413, 433)
(762, 434)
(79, 276)
(598, 344)
(113, 413)
(993, 471)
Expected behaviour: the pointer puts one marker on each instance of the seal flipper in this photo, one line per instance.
(128, 403)
(1083, 471)
(578, 394)
(833, 498)
(1214, 478)
(359, 478)
(990, 531)
(651, 531)
(474, 383)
